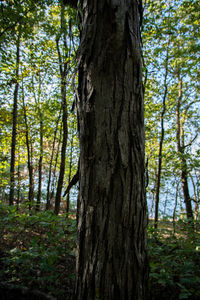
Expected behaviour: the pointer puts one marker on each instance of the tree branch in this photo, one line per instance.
(190, 143)
(74, 180)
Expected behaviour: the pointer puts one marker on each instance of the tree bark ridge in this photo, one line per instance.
(111, 261)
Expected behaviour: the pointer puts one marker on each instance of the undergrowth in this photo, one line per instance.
(174, 262)
(37, 251)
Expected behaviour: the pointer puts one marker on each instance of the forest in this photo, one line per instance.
(99, 149)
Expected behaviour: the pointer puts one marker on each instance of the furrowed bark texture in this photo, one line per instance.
(111, 256)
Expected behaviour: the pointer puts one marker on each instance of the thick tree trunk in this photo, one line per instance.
(14, 126)
(111, 254)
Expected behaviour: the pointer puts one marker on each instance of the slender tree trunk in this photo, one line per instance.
(184, 177)
(18, 182)
(69, 176)
(29, 152)
(40, 115)
(152, 203)
(40, 165)
(48, 204)
(111, 254)
(162, 134)
(14, 126)
(175, 206)
(54, 181)
(165, 203)
(63, 153)
(63, 72)
(181, 152)
(196, 198)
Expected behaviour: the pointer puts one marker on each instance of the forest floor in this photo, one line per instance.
(37, 258)
(36, 252)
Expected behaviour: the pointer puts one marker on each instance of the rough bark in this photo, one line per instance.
(14, 126)
(111, 254)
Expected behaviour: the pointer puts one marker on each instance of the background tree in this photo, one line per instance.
(165, 22)
(15, 80)
(64, 69)
(41, 91)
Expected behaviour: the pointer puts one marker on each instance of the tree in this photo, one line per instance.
(180, 136)
(41, 133)
(14, 117)
(63, 65)
(162, 135)
(48, 203)
(112, 219)
(29, 153)
(170, 27)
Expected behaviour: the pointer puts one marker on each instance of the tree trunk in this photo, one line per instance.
(196, 198)
(14, 125)
(48, 204)
(29, 152)
(184, 177)
(63, 154)
(162, 134)
(18, 182)
(40, 164)
(111, 254)
(37, 96)
(175, 206)
(54, 181)
(181, 152)
(69, 176)
(63, 73)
